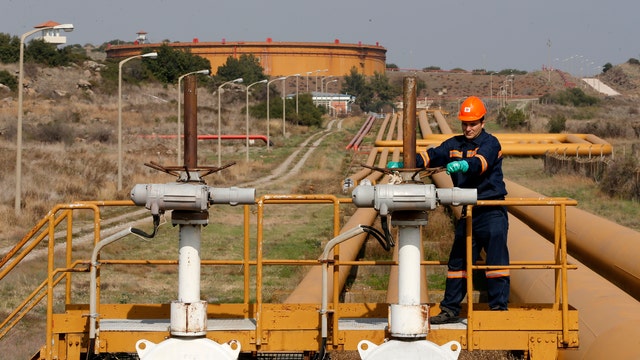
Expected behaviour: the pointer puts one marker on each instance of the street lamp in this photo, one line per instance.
(66, 28)
(284, 100)
(308, 73)
(247, 111)
(206, 72)
(151, 55)
(326, 85)
(297, 87)
(238, 80)
(317, 71)
(322, 84)
(268, 115)
(491, 85)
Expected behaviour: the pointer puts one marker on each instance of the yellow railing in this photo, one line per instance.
(45, 229)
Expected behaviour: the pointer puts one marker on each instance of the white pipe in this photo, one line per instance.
(189, 264)
(355, 231)
(93, 287)
(409, 265)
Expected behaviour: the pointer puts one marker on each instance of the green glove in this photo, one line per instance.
(457, 166)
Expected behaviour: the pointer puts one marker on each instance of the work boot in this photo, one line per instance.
(446, 316)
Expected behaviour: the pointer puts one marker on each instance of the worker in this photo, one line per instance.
(474, 160)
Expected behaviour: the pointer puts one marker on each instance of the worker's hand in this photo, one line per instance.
(457, 166)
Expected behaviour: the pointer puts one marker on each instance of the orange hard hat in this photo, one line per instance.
(472, 109)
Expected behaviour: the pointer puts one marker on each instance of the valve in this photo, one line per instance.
(387, 198)
(188, 197)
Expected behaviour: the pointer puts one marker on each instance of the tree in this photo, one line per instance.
(246, 67)
(172, 63)
(384, 92)
(9, 48)
(606, 67)
(371, 96)
(308, 113)
(356, 84)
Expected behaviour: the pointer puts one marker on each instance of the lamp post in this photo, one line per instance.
(329, 102)
(317, 71)
(206, 71)
(491, 85)
(238, 80)
(151, 55)
(297, 90)
(66, 28)
(268, 115)
(284, 100)
(322, 83)
(247, 112)
(308, 73)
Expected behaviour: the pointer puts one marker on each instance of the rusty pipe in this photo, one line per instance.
(190, 122)
(409, 122)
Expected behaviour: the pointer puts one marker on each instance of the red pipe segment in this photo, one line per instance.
(213, 137)
(360, 131)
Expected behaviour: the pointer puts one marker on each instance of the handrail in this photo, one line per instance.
(560, 250)
(46, 228)
(55, 276)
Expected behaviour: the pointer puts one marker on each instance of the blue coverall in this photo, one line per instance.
(490, 223)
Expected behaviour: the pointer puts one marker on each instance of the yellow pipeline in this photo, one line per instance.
(527, 144)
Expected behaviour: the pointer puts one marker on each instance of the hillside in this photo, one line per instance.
(70, 129)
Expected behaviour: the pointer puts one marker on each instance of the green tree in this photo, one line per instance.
(356, 84)
(308, 113)
(9, 48)
(392, 67)
(172, 63)
(384, 92)
(8, 80)
(606, 67)
(246, 67)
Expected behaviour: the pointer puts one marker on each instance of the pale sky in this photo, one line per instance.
(577, 36)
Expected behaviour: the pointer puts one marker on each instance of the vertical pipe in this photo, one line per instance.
(190, 123)
(189, 264)
(409, 257)
(409, 122)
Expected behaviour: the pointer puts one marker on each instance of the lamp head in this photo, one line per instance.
(239, 80)
(65, 27)
(205, 72)
(151, 55)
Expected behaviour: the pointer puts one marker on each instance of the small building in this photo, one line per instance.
(50, 35)
(337, 104)
(141, 37)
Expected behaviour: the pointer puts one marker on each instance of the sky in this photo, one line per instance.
(578, 36)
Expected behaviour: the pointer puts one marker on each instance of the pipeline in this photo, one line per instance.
(597, 242)
(609, 319)
(368, 126)
(363, 130)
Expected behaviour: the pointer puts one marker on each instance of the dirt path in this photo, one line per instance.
(284, 171)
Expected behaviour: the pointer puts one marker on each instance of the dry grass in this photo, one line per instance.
(86, 169)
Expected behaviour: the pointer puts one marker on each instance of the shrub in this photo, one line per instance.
(573, 96)
(557, 124)
(8, 80)
(53, 132)
(621, 178)
(512, 118)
